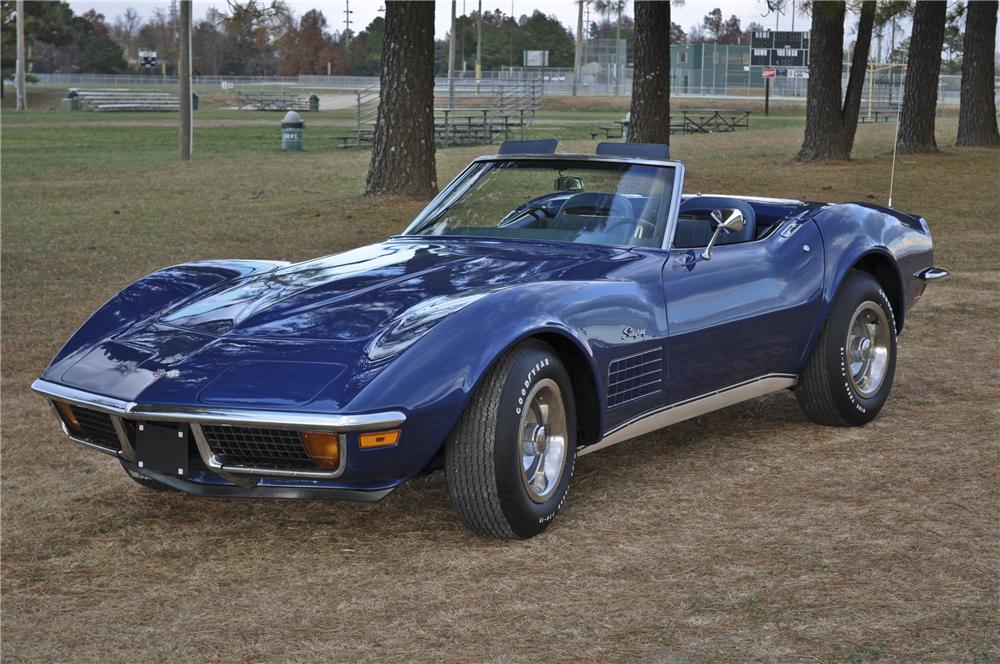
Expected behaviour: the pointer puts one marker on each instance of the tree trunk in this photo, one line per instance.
(650, 112)
(977, 122)
(402, 160)
(916, 120)
(856, 82)
(823, 110)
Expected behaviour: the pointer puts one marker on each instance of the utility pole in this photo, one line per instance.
(22, 98)
(578, 57)
(620, 69)
(793, 15)
(451, 58)
(347, 23)
(479, 45)
(184, 81)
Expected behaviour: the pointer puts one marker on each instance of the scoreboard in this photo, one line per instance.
(779, 49)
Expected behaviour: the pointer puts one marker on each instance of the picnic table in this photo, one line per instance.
(617, 131)
(453, 125)
(708, 120)
(876, 115)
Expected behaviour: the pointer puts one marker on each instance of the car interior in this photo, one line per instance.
(695, 225)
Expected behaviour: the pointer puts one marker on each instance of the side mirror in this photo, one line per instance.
(726, 221)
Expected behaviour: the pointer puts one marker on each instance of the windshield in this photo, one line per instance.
(569, 200)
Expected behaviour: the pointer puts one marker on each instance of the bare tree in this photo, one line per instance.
(402, 160)
(923, 65)
(977, 123)
(650, 114)
(126, 29)
(830, 124)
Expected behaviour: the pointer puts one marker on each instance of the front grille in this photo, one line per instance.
(261, 448)
(635, 376)
(98, 427)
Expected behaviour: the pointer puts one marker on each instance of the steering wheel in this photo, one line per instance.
(641, 229)
(597, 204)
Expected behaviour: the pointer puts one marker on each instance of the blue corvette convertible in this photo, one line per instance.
(542, 306)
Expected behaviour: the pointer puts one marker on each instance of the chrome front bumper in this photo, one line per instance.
(195, 417)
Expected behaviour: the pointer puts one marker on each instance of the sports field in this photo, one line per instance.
(747, 535)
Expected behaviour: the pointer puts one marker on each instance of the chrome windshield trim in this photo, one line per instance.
(210, 415)
(693, 407)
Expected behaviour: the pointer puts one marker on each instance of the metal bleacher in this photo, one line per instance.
(116, 99)
(472, 115)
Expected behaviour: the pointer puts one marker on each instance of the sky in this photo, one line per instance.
(363, 11)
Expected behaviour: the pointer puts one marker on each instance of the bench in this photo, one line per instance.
(112, 100)
(271, 101)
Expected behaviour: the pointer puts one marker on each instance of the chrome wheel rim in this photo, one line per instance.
(869, 343)
(542, 440)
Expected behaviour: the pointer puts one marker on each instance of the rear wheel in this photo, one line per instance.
(511, 456)
(850, 373)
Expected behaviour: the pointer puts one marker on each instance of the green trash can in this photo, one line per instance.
(313, 103)
(292, 129)
(194, 101)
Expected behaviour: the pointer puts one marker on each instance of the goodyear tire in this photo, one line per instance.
(850, 372)
(510, 458)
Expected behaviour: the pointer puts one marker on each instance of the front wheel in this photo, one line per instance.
(511, 456)
(850, 372)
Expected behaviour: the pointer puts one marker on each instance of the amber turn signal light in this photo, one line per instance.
(68, 416)
(379, 439)
(324, 448)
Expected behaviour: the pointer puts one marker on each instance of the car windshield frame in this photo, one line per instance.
(665, 216)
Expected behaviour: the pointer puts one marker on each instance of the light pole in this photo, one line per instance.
(184, 81)
(479, 44)
(451, 58)
(22, 98)
(578, 56)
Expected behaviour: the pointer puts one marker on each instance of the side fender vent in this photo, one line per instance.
(635, 376)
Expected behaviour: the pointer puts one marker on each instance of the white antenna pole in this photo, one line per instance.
(895, 144)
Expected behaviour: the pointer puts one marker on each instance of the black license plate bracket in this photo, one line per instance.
(162, 448)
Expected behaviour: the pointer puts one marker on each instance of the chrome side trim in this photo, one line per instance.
(693, 407)
(932, 273)
(211, 415)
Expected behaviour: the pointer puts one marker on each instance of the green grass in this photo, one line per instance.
(746, 535)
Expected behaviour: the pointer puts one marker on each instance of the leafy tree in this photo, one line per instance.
(256, 26)
(677, 35)
(46, 24)
(307, 48)
(364, 57)
(719, 30)
(953, 39)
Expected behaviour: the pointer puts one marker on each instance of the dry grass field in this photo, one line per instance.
(747, 535)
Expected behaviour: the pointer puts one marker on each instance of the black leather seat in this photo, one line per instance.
(695, 230)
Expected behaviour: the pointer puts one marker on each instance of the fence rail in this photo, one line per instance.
(884, 87)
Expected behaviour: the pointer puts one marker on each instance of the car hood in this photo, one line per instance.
(306, 324)
(353, 295)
